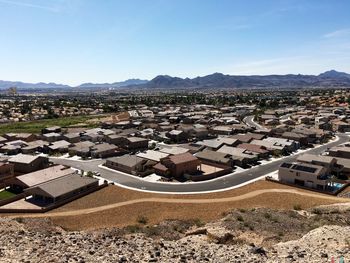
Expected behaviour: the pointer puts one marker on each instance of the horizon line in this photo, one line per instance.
(134, 78)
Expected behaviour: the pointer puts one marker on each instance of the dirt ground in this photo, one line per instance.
(156, 212)
(116, 194)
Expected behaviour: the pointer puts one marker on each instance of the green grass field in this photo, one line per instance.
(6, 194)
(37, 126)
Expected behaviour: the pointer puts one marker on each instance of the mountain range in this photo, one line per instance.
(330, 78)
(27, 86)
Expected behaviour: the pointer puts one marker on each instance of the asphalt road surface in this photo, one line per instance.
(206, 186)
(249, 120)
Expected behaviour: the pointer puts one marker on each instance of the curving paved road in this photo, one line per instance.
(182, 201)
(249, 120)
(220, 184)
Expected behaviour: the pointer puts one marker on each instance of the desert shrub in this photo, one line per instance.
(19, 220)
(225, 213)
(297, 207)
(152, 231)
(240, 218)
(293, 214)
(238, 241)
(142, 220)
(198, 222)
(133, 228)
(267, 215)
(317, 211)
(347, 242)
(274, 219)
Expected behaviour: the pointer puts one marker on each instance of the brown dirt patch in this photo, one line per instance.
(116, 194)
(157, 212)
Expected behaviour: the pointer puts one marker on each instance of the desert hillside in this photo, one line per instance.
(256, 234)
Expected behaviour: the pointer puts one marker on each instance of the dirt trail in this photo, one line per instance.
(178, 200)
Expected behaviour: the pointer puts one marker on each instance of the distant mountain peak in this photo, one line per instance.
(334, 74)
(120, 84)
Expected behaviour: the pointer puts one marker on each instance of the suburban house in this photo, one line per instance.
(131, 164)
(340, 126)
(271, 122)
(290, 145)
(6, 172)
(147, 133)
(301, 138)
(260, 150)
(310, 133)
(345, 166)
(177, 135)
(24, 163)
(221, 130)
(328, 162)
(173, 150)
(116, 139)
(103, 150)
(51, 137)
(72, 137)
(287, 121)
(2, 140)
(199, 133)
(178, 165)
(136, 143)
(62, 188)
(273, 147)
(13, 147)
(193, 147)
(304, 174)
(27, 137)
(40, 176)
(81, 148)
(214, 157)
(61, 146)
(92, 137)
(34, 146)
(215, 144)
(324, 126)
(152, 155)
(340, 151)
(56, 129)
(241, 128)
(266, 117)
(246, 138)
(242, 157)
(96, 134)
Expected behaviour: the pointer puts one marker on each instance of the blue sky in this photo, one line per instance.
(76, 41)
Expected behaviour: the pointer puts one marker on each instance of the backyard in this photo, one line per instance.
(4, 194)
